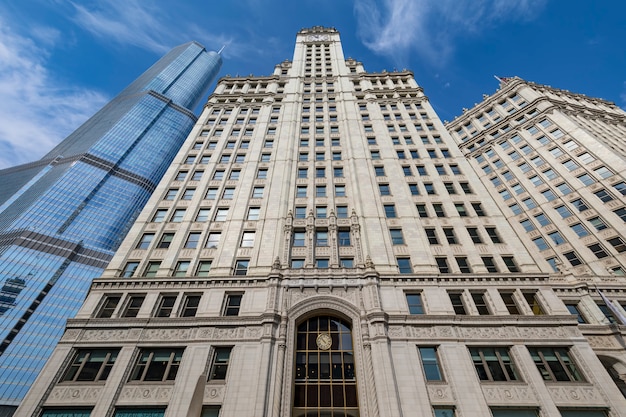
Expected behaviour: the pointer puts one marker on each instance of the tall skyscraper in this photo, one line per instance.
(62, 217)
(321, 246)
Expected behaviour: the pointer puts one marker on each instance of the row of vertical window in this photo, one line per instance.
(168, 305)
(151, 365)
(444, 266)
(477, 302)
(183, 267)
(202, 215)
(555, 364)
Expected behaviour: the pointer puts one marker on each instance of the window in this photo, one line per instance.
(572, 258)
(321, 263)
(460, 209)
(181, 268)
(414, 190)
(157, 364)
(241, 267)
(379, 171)
(213, 240)
(192, 240)
(232, 304)
(145, 241)
(342, 212)
(390, 211)
(338, 172)
(247, 239)
(129, 269)
(563, 211)
(261, 174)
(621, 213)
(171, 194)
(407, 171)
(152, 269)
(384, 189)
(432, 236)
(108, 306)
(586, 179)
(181, 175)
(396, 236)
(489, 264)
(509, 302)
(509, 261)
(344, 238)
(557, 238)
(321, 238)
(190, 306)
(449, 234)
(598, 250)
(234, 174)
(421, 210)
(414, 301)
(404, 265)
(478, 209)
(574, 310)
(301, 191)
(618, 243)
(620, 187)
(579, 229)
(219, 364)
(430, 363)
(220, 214)
(580, 205)
(253, 213)
(204, 267)
(442, 264)
(533, 303)
(528, 225)
(603, 172)
(464, 267)
(159, 215)
(257, 192)
(493, 234)
(493, 364)
(265, 157)
(554, 364)
(320, 191)
(346, 262)
(443, 411)
(473, 232)
(604, 196)
(91, 365)
(211, 194)
(598, 223)
(320, 172)
(430, 189)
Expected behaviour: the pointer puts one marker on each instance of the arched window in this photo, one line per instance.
(325, 381)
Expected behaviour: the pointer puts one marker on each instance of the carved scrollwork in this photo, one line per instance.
(71, 395)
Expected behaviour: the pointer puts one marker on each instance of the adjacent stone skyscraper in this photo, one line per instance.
(322, 247)
(62, 217)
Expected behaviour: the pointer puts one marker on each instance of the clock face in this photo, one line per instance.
(324, 341)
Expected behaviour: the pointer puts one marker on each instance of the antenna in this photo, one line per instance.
(221, 49)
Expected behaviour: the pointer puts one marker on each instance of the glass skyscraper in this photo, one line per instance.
(63, 217)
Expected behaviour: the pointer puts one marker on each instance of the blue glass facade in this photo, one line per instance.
(66, 214)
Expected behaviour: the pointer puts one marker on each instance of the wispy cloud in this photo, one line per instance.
(36, 110)
(145, 25)
(396, 28)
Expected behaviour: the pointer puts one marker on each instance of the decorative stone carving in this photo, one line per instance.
(70, 334)
(440, 393)
(97, 335)
(507, 395)
(71, 395)
(214, 393)
(166, 334)
(565, 395)
(141, 394)
(602, 342)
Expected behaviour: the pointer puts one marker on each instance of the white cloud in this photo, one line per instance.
(429, 28)
(36, 110)
(143, 24)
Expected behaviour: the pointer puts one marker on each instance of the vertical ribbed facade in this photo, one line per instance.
(62, 218)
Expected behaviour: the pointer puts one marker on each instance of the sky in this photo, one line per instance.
(61, 61)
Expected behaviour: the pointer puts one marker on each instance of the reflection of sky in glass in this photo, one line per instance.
(88, 205)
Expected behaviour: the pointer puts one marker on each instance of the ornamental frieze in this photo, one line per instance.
(74, 395)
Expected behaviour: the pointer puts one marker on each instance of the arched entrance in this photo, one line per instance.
(324, 377)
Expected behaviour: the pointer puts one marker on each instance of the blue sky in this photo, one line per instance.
(60, 61)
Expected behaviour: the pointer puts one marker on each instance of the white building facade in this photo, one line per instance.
(322, 246)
